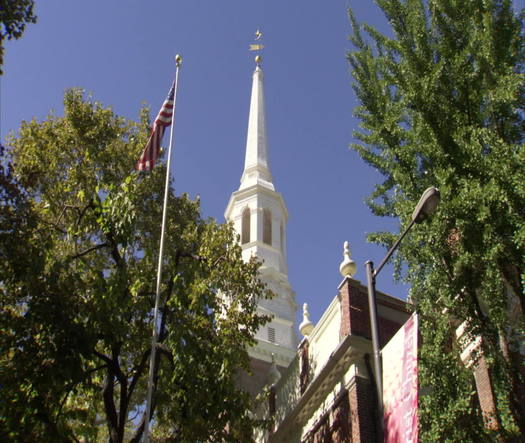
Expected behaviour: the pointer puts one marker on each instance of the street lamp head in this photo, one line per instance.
(427, 205)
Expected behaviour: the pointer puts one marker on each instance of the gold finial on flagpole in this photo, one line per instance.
(257, 46)
(178, 60)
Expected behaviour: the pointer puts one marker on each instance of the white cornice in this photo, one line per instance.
(257, 189)
(264, 350)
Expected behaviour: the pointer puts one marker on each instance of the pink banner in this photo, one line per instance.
(400, 386)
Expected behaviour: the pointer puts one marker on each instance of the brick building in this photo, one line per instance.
(327, 394)
(473, 357)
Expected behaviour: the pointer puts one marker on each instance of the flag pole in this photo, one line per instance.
(155, 337)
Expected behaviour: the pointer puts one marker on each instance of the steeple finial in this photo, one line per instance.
(257, 47)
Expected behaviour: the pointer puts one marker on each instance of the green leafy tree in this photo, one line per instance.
(442, 104)
(79, 233)
(14, 15)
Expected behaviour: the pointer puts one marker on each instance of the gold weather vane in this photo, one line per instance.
(257, 46)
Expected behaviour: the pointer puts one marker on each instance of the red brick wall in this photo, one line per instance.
(387, 329)
(351, 418)
(355, 315)
(361, 397)
(485, 393)
(340, 429)
(355, 318)
(320, 433)
(334, 426)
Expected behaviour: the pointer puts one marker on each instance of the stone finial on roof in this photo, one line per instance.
(306, 326)
(347, 268)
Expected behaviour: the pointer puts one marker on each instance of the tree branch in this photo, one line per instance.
(62, 231)
(138, 433)
(109, 405)
(83, 211)
(87, 251)
(107, 394)
(138, 371)
(124, 398)
(103, 357)
(163, 349)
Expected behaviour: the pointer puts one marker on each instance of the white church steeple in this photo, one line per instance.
(256, 167)
(259, 216)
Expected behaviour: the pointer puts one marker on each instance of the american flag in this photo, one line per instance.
(148, 157)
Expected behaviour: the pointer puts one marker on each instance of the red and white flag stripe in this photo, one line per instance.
(164, 118)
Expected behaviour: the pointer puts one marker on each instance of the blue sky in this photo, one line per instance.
(123, 53)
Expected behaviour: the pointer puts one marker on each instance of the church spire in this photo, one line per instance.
(259, 215)
(256, 164)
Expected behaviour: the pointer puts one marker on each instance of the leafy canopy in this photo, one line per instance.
(441, 104)
(14, 15)
(79, 235)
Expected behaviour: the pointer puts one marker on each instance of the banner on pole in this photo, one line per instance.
(400, 384)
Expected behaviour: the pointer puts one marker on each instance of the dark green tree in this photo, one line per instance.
(14, 15)
(79, 235)
(442, 104)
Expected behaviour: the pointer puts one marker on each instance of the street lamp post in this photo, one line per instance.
(426, 206)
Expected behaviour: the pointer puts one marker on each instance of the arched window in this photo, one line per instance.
(267, 226)
(245, 226)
